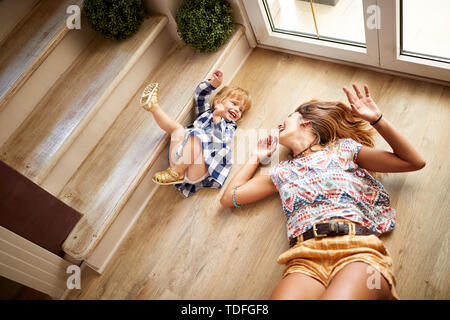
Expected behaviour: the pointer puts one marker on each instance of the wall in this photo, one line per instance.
(167, 8)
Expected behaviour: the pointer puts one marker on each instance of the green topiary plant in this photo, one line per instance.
(205, 25)
(114, 19)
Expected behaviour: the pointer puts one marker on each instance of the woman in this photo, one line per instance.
(335, 208)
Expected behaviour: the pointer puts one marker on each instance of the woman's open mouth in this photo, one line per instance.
(280, 128)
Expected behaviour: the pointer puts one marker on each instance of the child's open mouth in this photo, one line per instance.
(233, 115)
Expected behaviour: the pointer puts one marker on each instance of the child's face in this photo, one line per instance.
(231, 108)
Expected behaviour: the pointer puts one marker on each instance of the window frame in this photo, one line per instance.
(383, 45)
(392, 58)
(330, 49)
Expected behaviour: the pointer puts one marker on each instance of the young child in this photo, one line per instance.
(199, 155)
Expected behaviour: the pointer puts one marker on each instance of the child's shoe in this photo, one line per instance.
(168, 176)
(149, 96)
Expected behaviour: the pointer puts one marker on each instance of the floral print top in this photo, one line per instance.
(329, 183)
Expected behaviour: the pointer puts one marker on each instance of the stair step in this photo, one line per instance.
(12, 12)
(109, 175)
(36, 145)
(30, 42)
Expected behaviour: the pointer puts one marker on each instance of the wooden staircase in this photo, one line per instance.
(38, 143)
(131, 145)
(101, 184)
(29, 43)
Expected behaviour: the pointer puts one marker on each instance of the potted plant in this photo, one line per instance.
(114, 19)
(205, 25)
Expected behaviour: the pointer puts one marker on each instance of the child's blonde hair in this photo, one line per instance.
(234, 92)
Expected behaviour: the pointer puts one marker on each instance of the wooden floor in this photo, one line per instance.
(195, 249)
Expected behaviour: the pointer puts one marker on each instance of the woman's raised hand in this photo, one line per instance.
(363, 106)
(265, 147)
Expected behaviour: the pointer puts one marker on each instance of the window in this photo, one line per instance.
(410, 36)
(342, 22)
(425, 29)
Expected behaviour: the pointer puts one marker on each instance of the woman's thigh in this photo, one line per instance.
(298, 286)
(354, 282)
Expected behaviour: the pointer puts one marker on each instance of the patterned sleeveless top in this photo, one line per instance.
(330, 183)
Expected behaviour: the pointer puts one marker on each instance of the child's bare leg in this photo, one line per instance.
(192, 154)
(165, 122)
(176, 138)
(198, 168)
(191, 161)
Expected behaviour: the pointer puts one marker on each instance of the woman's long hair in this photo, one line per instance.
(332, 121)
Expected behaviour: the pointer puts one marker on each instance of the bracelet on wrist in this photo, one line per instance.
(376, 121)
(234, 200)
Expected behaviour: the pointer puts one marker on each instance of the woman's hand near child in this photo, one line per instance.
(246, 187)
(265, 148)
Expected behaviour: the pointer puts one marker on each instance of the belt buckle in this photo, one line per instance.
(317, 235)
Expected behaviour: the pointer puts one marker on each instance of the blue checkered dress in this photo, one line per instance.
(214, 137)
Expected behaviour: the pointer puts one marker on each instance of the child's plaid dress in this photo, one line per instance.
(214, 137)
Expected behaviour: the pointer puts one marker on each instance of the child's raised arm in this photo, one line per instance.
(203, 91)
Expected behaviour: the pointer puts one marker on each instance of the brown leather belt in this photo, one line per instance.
(331, 229)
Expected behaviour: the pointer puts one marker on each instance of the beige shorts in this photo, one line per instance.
(323, 258)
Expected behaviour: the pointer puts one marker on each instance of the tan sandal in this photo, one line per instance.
(149, 96)
(168, 176)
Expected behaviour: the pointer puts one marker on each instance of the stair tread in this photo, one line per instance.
(130, 146)
(30, 42)
(73, 100)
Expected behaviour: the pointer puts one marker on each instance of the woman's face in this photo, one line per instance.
(290, 128)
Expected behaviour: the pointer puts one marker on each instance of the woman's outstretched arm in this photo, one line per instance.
(404, 156)
(251, 189)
